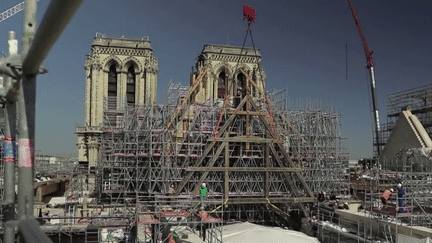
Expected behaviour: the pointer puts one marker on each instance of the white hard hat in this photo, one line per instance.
(391, 189)
(203, 185)
(399, 185)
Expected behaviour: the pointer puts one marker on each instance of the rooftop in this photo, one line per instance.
(230, 49)
(121, 41)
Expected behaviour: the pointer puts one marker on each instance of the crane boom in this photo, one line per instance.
(12, 11)
(370, 67)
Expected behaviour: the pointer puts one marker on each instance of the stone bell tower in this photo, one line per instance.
(120, 72)
(226, 68)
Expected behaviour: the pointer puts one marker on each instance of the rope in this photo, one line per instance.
(233, 78)
(278, 209)
(220, 118)
(271, 117)
(225, 203)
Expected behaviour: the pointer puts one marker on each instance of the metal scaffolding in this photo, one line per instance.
(261, 162)
(406, 217)
(2, 117)
(416, 179)
(138, 168)
(257, 158)
(313, 139)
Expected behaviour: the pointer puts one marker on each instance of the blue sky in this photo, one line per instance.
(302, 44)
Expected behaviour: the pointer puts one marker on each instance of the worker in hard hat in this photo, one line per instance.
(386, 195)
(172, 236)
(203, 193)
(401, 198)
(171, 195)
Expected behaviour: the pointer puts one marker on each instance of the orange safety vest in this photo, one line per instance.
(171, 238)
(386, 194)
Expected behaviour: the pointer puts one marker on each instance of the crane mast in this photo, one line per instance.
(12, 11)
(370, 67)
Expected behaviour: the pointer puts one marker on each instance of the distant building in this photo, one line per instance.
(120, 73)
(352, 163)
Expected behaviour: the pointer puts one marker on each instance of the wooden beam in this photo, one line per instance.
(211, 163)
(189, 175)
(246, 139)
(284, 153)
(251, 113)
(207, 150)
(292, 185)
(253, 82)
(188, 95)
(272, 200)
(246, 169)
(267, 173)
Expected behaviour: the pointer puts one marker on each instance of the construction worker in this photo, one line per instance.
(171, 191)
(171, 194)
(346, 206)
(321, 196)
(401, 198)
(386, 195)
(203, 193)
(172, 236)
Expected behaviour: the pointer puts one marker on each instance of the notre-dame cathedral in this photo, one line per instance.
(122, 72)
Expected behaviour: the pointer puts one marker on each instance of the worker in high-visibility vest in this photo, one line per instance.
(386, 195)
(172, 236)
(401, 198)
(203, 193)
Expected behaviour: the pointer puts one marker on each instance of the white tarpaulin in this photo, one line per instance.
(408, 239)
(252, 233)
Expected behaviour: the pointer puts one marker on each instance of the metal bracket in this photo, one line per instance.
(12, 67)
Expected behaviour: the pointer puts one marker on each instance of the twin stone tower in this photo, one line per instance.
(122, 72)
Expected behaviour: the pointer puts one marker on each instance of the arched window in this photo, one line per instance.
(130, 89)
(112, 94)
(221, 85)
(112, 86)
(240, 83)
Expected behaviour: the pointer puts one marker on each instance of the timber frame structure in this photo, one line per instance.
(261, 162)
(255, 155)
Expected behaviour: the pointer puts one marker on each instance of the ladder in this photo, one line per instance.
(92, 235)
(71, 213)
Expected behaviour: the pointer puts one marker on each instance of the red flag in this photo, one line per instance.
(249, 14)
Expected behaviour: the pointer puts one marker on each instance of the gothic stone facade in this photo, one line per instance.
(225, 68)
(120, 73)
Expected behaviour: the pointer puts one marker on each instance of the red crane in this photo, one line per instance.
(370, 67)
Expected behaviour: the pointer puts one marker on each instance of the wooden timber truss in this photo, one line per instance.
(245, 161)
